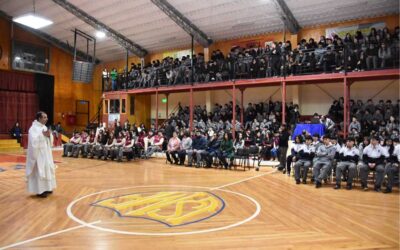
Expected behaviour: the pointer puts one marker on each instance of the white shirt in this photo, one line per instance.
(353, 151)
(375, 152)
(297, 147)
(307, 148)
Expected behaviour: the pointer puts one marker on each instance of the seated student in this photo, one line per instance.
(87, 148)
(275, 146)
(393, 165)
(298, 142)
(305, 155)
(373, 160)
(316, 143)
(248, 139)
(139, 144)
(337, 146)
(119, 145)
(239, 142)
(127, 148)
(323, 161)
(211, 150)
(108, 147)
(185, 145)
(79, 148)
(173, 147)
(226, 150)
(348, 158)
(99, 143)
(267, 145)
(16, 132)
(147, 139)
(156, 143)
(199, 144)
(74, 141)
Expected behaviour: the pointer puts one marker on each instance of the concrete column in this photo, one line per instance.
(208, 101)
(295, 94)
(206, 54)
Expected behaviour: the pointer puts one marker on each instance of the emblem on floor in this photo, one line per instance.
(173, 208)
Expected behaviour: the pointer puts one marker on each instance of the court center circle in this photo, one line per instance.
(74, 218)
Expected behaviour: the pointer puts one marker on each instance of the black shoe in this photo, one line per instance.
(377, 189)
(284, 171)
(48, 192)
(325, 181)
(304, 182)
(349, 187)
(387, 191)
(169, 161)
(189, 165)
(42, 195)
(337, 186)
(257, 169)
(176, 163)
(318, 184)
(63, 155)
(297, 182)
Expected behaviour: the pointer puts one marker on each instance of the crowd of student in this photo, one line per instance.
(376, 50)
(347, 161)
(211, 143)
(380, 119)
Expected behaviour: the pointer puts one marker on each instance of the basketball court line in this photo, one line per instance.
(258, 210)
(47, 235)
(244, 180)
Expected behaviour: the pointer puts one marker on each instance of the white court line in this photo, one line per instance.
(240, 181)
(47, 235)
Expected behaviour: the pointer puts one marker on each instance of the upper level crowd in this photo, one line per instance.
(377, 50)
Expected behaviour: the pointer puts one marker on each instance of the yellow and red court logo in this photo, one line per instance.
(173, 208)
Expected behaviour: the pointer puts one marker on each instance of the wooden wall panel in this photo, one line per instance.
(142, 110)
(5, 44)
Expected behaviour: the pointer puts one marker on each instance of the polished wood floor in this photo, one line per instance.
(291, 217)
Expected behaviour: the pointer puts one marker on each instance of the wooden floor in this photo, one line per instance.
(290, 217)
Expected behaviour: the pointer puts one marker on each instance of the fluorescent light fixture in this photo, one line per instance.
(33, 21)
(100, 34)
(17, 58)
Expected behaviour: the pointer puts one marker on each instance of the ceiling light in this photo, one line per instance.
(33, 21)
(100, 34)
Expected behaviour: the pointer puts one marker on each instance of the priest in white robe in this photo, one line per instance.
(40, 168)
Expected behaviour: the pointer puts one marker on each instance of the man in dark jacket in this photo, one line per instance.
(199, 144)
(211, 150)
(283, 146)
